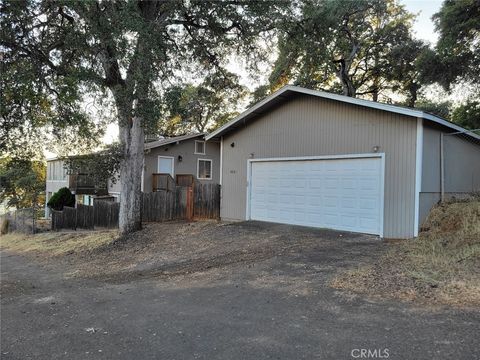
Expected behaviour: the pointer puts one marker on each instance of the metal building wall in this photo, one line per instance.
(307, 126)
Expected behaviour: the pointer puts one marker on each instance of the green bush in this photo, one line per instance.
(61, 198)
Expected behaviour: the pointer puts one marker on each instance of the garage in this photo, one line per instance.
(337, 192)
(312, 158)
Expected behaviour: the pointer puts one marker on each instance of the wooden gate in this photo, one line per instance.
(206, 201)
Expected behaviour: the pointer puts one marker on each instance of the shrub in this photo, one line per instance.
(61, 198)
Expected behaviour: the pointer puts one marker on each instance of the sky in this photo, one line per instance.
(423, 28)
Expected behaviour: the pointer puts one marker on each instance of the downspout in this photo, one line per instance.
(221, 160)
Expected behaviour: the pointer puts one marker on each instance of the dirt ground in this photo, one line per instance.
(175, 248)
(211, 290)
(441, 266)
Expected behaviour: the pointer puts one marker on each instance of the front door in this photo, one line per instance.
(165, 165)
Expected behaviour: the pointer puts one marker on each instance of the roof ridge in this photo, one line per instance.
(337, 97)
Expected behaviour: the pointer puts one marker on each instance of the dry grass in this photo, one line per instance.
(442, 266)
(57, 243)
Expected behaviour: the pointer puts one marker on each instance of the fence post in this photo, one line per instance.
(190, 204)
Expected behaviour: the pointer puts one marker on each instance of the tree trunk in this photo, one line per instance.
(413, 90)
(347, 84)
(131, 168)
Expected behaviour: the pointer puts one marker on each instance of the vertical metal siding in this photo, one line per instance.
(462, 163)
(308, 126)
(462, 167)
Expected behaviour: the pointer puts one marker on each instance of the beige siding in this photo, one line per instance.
(56, 179)
(308, 126)
(56, 176)
(114, 188)
(188, 165)
(462, 167)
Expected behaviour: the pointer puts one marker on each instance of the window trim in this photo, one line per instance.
(211, 169)
(204, 147)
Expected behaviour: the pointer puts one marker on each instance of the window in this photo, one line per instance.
(204, 169)
(56, 171)
(200, 147)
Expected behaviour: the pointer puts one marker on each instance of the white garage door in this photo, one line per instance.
(343, 193)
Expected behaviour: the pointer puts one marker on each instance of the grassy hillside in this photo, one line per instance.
(57, 243)
(442, 266)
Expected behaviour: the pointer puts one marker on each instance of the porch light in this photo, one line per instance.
(180, 158)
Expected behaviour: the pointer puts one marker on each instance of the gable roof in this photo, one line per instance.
(172, 140)
(289, 91)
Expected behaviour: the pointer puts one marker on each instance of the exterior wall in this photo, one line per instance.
(57, 178)
(308, 126)
(188, 165)
(114, 189)
(462, 167)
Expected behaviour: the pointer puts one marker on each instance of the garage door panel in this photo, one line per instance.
(348, 202)
(343, 194)
(367, 203)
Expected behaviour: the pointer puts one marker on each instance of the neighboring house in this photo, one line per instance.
(81, 185)
(318, 159)
(56, 179)
(188, 156)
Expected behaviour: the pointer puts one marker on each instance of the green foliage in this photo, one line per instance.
(126, 51)
(458, 48)
(259, 93)
(357, 47)
(441, 109)
(467, 115)
(456, 56)
(42, 87)
(201, 108)
(22, 182)
(63, 197)
(57, 53)
(101, 166)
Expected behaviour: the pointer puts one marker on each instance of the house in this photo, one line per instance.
(82, 185)
(317, 159)
(183, 158)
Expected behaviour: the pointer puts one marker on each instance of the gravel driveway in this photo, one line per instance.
(238, 291)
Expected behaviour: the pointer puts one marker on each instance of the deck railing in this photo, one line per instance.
(162, 182)
(86, 184)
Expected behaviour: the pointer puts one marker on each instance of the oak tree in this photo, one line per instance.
(126, 51)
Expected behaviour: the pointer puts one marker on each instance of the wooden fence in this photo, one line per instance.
(201, 201)
(206, 201)
(104, 214)
(21, 220)
(165, 205)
